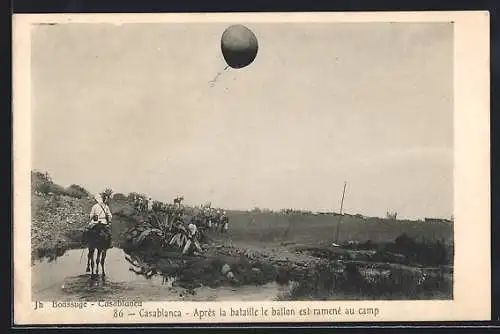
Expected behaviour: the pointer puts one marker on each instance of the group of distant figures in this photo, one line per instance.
(142, 204)
(206, 219)
(212, 220)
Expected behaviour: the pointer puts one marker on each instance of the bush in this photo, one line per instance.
(42, 177)
(424, 252)
(41, 182)
(119, 197)
(76, 191)
(51, 188)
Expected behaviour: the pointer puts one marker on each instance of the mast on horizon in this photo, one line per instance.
(341, 215)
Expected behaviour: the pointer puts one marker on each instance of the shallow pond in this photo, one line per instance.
(65, 279)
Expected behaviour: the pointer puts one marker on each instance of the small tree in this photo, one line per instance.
(119, 196)
(108, 192)
(76, 191)
(40, 181)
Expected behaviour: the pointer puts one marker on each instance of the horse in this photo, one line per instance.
(97, 239)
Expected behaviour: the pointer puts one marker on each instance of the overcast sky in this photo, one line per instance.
(130, 107)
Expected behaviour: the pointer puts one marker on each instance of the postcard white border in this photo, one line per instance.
(472, 287)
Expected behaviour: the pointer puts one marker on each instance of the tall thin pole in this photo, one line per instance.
(341, 214)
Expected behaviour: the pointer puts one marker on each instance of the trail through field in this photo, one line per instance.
(65, 279)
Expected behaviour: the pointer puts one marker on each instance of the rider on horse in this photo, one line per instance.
(100, 216)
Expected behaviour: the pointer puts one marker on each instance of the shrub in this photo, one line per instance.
(44, 177)
(424, 252)
(41, 182)
(158, 206)
(51, 188)
(76, 191)
(119, 197)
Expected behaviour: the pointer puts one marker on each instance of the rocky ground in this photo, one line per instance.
(55, 225)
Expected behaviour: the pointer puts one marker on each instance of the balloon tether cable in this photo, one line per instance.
(214, 80)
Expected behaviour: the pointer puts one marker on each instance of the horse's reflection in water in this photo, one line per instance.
(89, 286)
(95, 280)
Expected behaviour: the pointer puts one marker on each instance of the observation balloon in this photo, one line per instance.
(239, 46)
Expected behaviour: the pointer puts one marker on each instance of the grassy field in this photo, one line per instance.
(310, 228)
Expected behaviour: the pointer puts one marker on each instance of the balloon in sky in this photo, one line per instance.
(239, 46)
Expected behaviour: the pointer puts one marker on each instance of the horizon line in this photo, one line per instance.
(261, 209)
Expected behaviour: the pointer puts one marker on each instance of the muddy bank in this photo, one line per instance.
(348, 275)
(214, 269)
(401, 269)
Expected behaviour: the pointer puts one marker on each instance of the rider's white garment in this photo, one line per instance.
(100, 209)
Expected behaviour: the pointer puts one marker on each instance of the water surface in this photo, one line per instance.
(65, 279)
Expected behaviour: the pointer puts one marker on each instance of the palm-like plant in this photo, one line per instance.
(107, 192)
(168, 219)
